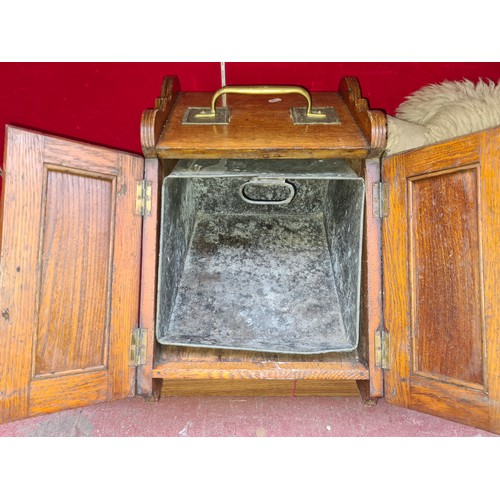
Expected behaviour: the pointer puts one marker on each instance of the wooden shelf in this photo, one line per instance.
(187, 363)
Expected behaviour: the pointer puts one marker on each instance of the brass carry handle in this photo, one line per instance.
(262, 90)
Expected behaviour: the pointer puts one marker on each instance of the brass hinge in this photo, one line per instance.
(138, 346)
(380, 199)
(143, 198)
(382, 349)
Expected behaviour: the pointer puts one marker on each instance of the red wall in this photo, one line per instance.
(102, 102)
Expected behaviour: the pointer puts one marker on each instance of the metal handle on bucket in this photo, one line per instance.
(267, 182)
(262, 90)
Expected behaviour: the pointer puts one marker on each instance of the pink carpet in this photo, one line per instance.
(239, 417)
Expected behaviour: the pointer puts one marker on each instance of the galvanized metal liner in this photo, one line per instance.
(274, 278)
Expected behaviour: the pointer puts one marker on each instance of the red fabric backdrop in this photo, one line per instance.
(102, 102)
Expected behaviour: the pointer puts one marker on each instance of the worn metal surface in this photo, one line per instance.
(292, 169)
(202, 116)
(318, 116)
(143, 200)
(264, 277)
(343, 215)
(267, 191)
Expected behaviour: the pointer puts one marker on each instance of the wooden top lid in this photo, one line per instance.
(261, 126)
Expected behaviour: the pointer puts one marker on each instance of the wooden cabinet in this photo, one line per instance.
(80, 253)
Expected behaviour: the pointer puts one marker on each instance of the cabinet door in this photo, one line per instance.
(69, 274)
(441, 258)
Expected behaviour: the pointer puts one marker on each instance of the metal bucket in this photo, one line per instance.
(261, 255)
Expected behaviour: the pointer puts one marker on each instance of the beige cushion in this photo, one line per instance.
(443, 111)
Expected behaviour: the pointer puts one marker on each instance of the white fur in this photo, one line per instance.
(445, 110)
(403, 135)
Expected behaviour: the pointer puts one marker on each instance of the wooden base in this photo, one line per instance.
(365, 392)
(185, 363)
(188, 371)
(290, 388)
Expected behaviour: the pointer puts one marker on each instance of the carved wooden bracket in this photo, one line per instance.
(372, 123)
(153, 120)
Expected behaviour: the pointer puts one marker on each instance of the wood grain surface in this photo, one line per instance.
(371, 281)
(290, 388)
(23, 176)
(261, 129)
(77, 246)
(153, 120)
(183, 363)
(154, 171)
(441, 279)
(446, 273)
(70, 274)
(372, 123)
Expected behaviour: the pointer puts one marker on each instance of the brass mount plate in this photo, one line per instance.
(318, 116)
(203, 116)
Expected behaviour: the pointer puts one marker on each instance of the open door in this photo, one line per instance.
(441, 258)
(69, 274)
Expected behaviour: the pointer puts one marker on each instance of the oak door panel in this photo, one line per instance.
(445, 266)
(78, 247)
(441, 279)
(70, 262)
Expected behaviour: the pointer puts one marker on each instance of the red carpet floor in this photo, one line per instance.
(239, 417)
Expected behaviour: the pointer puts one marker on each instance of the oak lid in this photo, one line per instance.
(261, 126)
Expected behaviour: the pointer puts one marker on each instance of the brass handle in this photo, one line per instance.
(262, 90)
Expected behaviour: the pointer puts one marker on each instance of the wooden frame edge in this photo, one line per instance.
(153, 120)
(372, 123)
